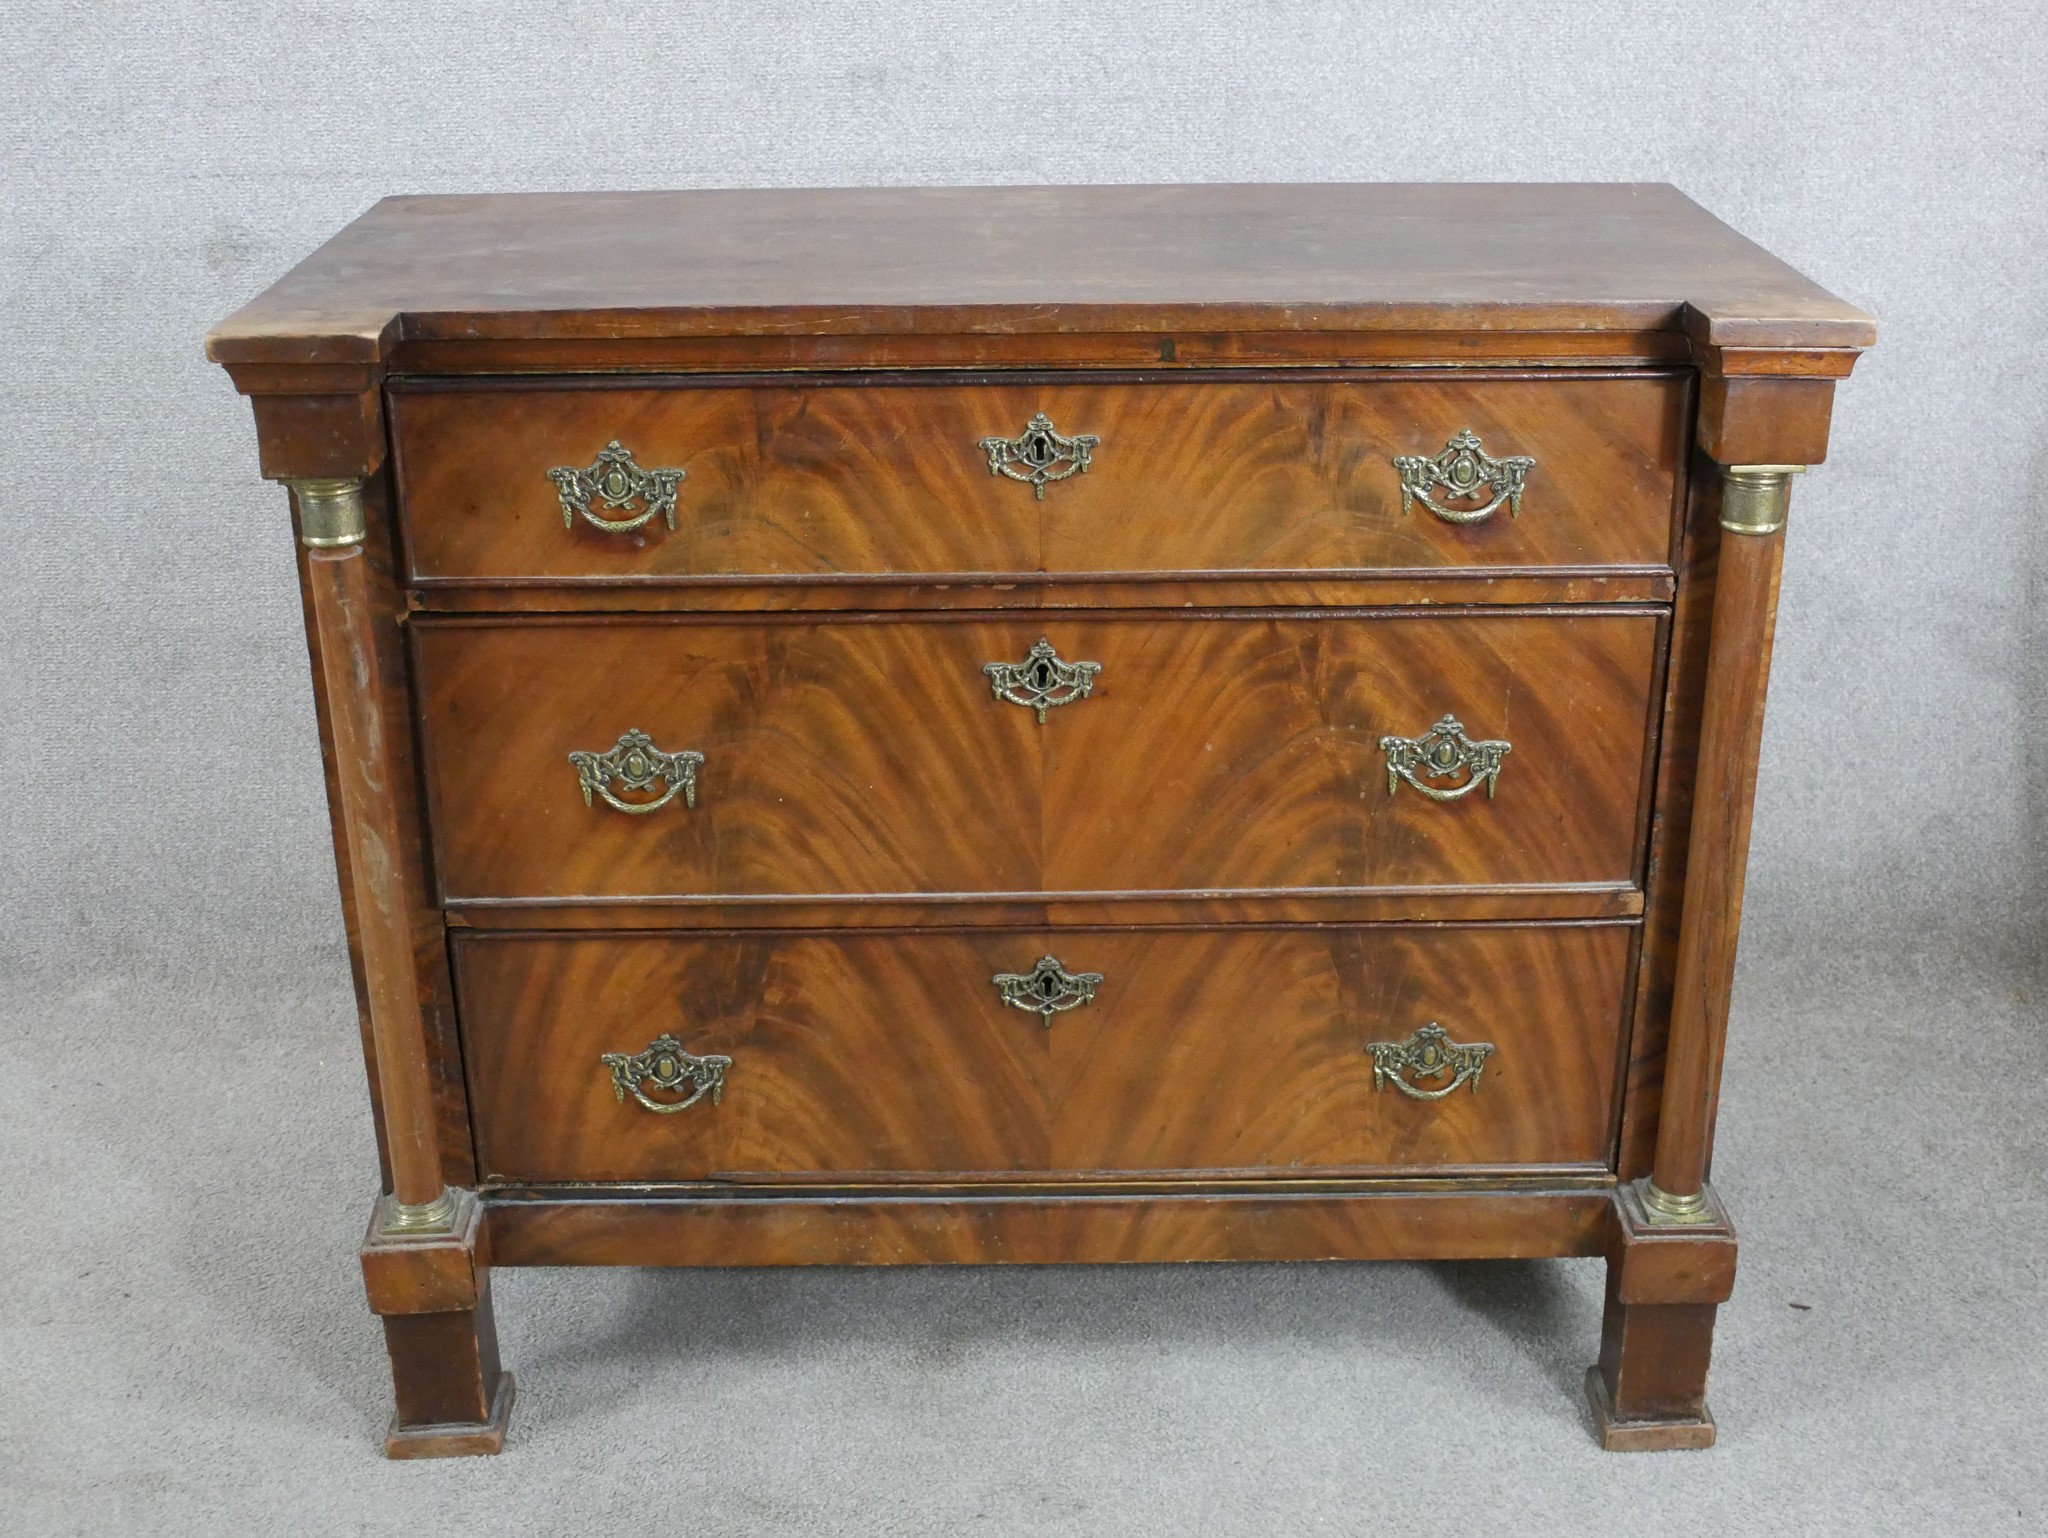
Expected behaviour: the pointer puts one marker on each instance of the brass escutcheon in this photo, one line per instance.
(1040, 454)
(1041, 681)
(1048, 989)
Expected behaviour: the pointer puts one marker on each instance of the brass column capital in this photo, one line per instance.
(1754, 498)
(330, 513)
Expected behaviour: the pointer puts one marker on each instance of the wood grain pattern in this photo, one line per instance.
(1210, 831)
(1664, 1285)
(1092, 910)
(1450, 259)
(1451, 587)
(886, 477)
(1168, 348)
(338, 589)
(1678, 742)
(1750, 420)
(1246, 753)
(1717, 853)
(453, 1397)
(316, 422)
(870, 1055)
(593, 1229)
(1217, 753)
(393, 718)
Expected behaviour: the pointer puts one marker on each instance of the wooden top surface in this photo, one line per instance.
(963, 260)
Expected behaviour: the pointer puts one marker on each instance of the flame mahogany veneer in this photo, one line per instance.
(1258, 941)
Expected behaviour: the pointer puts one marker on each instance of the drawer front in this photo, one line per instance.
(867, 757)
(880, 1055)
(893, 480)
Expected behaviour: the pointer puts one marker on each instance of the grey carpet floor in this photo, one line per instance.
(186, 1349)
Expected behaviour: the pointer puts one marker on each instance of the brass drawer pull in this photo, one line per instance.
(1048, 989)
(1428, 1054)
(616, 482)
(667, 1067)
(1466, 473)
(1041, 680)
(636, 763)
(1039, 454)
(1442, 753)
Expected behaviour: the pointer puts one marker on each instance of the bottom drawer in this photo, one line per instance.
(864, 1055)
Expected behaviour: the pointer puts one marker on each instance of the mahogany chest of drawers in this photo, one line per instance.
(1032, 725)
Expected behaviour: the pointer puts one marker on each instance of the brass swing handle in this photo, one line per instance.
(637, 764)
(1464, 472)
(668, 1068)
(1443, 753)
(1428, 1054)
(616, 484)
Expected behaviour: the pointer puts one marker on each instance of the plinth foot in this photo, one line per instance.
(458, 1439)
(1658, 1436)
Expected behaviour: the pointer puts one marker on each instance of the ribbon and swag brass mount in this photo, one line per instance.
(1040, 454)
(1465, 473)
(1443, 752)
(1041, 681)
(1048, 989)
(1428, 1054)
(616, 484)
(669, 1069)
(638, 765)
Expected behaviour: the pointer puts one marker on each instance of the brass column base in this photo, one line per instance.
(402, 1220)
(454, 1441)
(1662, 1208)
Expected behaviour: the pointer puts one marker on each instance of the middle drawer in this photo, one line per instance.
(1183, 752)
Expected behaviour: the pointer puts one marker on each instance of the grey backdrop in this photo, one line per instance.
(181, 1114)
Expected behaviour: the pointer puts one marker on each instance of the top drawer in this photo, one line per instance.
(894, 478)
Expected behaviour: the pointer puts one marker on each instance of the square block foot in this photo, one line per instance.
(455, 1441)
(1620, 1436)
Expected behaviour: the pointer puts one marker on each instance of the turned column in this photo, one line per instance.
(424, 1263)
(331, 526)
(1671, 1250)
(1754, 500)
